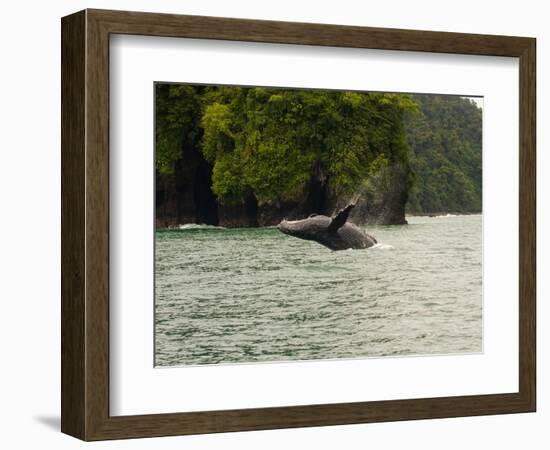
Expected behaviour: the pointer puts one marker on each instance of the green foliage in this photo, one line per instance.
(269, 142)
(445, 138)
(177, 115)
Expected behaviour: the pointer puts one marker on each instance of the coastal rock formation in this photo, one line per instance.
(193, 201)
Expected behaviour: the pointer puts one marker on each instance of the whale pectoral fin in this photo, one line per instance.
(340, 219)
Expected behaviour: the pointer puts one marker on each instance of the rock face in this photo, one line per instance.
(188, 198)
(385, 203)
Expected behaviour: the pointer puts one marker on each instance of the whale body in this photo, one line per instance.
(334, 232)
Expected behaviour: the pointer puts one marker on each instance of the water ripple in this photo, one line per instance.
(252, 295)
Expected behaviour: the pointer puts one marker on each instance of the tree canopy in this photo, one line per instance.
(269, 142)
(266, 147)
(446, 157)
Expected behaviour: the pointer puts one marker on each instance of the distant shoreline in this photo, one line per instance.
(443, 214)
(199, 226)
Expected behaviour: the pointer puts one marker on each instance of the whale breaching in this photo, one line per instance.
(335, 232)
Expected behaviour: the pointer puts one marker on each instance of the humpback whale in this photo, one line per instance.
(334, 232)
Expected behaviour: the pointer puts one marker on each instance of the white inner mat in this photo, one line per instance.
(136, 387)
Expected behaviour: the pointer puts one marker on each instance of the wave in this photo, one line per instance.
(440, 216)
(381, 246)
(198, 226)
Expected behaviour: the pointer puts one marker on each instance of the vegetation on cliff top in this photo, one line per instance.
(273, 145)
(270, 142)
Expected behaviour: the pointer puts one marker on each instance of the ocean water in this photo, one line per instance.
(257, 295)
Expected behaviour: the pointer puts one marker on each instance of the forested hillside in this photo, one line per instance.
(446, 158)
(236, 156)
(251, 156)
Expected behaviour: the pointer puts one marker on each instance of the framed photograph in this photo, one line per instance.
(273, 225)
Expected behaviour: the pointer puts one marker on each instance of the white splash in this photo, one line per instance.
(197, 226)
(381, 246)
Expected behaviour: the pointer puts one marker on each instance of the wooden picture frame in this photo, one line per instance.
(85, 224)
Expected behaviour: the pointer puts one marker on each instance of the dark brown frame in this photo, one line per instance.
(85, 224)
